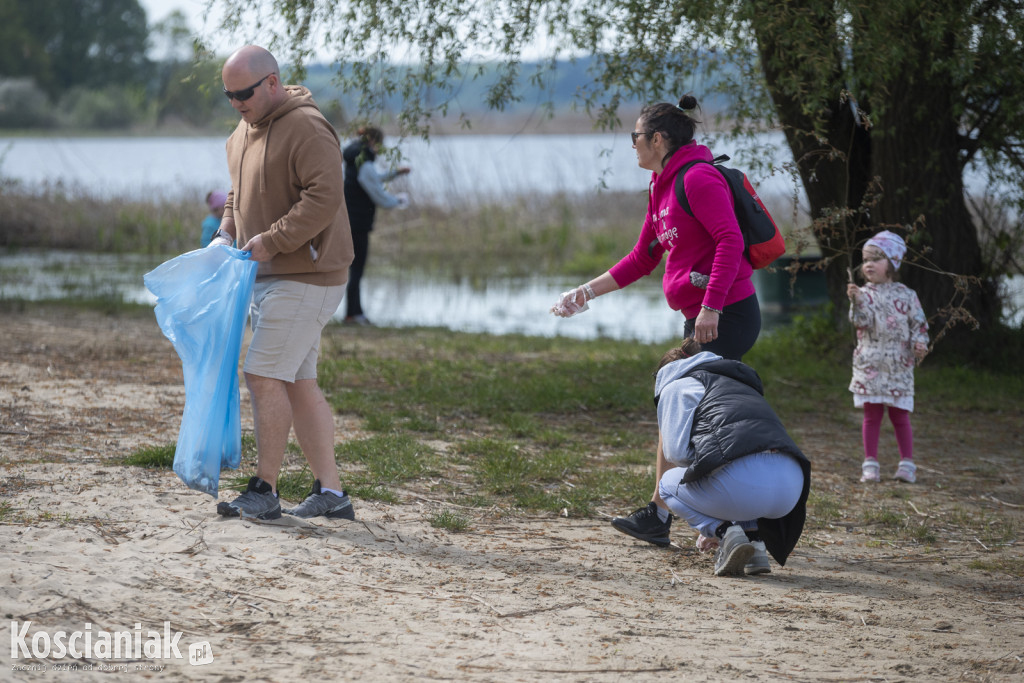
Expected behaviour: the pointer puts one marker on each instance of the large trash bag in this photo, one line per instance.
(202, 304)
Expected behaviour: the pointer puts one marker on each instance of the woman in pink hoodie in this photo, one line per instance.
(707, 278)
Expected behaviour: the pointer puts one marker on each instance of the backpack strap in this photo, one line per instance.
(681, 191)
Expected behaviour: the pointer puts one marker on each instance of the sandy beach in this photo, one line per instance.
(87, 540)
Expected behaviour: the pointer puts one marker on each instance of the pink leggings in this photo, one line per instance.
(873, 425)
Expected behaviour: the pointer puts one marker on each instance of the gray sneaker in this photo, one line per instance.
(256, 502)
(733, 553)
(324, 503)
(758, 563)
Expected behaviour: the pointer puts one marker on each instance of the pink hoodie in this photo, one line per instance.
(708, 243)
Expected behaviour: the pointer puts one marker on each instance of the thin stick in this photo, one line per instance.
(916, 510)
(527, 612)
(211, 620)
(253, 595)
(441, 502)
(573, 671)
(490, 607)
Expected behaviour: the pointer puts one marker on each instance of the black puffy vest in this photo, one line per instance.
(733, 420)
(361, 209)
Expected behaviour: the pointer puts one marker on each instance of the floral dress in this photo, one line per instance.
(889, 321)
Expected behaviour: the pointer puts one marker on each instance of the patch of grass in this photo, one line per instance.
(449, 520)
(920, 532)
(155, 457)
(421, 423)
(62, 519)
(997, 531)
(6, 511)
(474, 501)
(629, 489)
(1014, 566)
(958, 515)
(496, 378)
(372, 492)
(385, 459)
(884, 517)
(295, 485)
(501, 467)
(379, 422)
(573, 501)
(822, 508)
(634, 457)
(520, 425)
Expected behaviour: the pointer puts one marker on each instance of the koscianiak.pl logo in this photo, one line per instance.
(101, 649)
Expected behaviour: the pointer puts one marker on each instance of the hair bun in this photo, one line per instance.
(687, 102)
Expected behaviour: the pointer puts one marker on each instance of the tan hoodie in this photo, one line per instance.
(286, 185)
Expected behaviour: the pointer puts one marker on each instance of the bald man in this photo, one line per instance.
(286, 207)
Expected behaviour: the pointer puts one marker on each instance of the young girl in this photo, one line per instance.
(892, 334)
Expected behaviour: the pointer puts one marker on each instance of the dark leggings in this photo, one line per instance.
(361, 247)
(738, 327)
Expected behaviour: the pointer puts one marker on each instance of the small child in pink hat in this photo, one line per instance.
(892, 336)
(215, 202)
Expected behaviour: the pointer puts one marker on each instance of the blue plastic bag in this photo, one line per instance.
(202, 301)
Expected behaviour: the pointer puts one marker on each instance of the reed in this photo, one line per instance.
(514, 236)
(517, 236)
(57, 216)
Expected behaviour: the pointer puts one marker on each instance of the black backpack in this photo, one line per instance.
(762, 241)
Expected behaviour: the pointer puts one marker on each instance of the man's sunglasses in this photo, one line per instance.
(245, 93)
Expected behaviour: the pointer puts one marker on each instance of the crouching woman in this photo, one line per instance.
(736, 476)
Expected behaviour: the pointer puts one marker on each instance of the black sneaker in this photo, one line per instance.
(324, 503)
(645, 525)
(256, 502)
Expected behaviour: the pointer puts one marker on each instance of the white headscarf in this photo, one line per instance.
(890, 244)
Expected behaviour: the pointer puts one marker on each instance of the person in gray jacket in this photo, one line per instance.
(730, 469)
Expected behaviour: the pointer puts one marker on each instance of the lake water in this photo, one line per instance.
(398, 299)
(404, 299)
(447, 170)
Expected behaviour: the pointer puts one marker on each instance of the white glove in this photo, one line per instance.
(403, 200)
(221, 238)
(704, 544)
(567, 305)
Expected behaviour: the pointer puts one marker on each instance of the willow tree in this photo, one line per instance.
(885, 104)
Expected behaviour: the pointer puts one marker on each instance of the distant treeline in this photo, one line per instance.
(84, 65)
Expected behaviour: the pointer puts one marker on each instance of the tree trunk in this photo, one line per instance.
(916, 155)
(912, 148)
(829, 144)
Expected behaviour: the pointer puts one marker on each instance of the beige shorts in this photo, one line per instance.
(287, 318)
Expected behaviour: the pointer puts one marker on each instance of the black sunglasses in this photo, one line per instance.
(634, 135)
(245, 93)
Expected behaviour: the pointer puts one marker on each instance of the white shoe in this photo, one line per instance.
(734, 552)
(907, 471)
(869, 471)
(759, 563)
